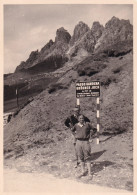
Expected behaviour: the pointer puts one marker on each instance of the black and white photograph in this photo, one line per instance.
(68, 98)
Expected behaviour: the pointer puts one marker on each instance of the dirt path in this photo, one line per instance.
(113, 167)
(42, 182)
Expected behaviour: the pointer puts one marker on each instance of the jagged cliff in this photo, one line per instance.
(115, 31)
(54, 54)
(51, 56)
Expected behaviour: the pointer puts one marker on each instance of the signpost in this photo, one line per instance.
(17, 97)
(89, 89)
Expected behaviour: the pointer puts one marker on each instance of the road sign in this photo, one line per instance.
(87, 89)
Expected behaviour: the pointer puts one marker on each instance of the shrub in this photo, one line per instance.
(52, 89)
(90, 67)
(81, 72)
(118, 49)
(56, 86)
(89, 71)
(21, 107)
(117, 70)
(108, 81)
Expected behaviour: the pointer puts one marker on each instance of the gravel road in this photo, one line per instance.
(14, 181)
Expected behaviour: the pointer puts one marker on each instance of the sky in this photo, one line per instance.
(29, 27)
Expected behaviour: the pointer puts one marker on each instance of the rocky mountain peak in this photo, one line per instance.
(84, 39)
(80, 29)
(20, 66)
(47, 46)
(33, 56)
(62, 35)
(115, 22)
(82, 24)
(96, 25)
(115, 31)
(97, 30)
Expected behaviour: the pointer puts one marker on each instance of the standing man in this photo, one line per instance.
(70, 122)
(84, 132)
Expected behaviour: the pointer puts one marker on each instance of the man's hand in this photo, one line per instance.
(90, 140)
(70, 125)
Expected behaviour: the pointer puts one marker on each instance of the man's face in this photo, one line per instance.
(81, 119)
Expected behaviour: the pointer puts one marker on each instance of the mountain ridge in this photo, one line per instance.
(90, 40)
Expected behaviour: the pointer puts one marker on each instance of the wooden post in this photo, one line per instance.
(17, 98)
(78, 103)
(98, 119)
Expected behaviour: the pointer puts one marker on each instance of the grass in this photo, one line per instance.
(91, 68)
(118, 49)
(56, 86)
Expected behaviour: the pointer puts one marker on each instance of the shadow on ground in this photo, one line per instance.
(96, 155)
(99, 166)
(102, 141)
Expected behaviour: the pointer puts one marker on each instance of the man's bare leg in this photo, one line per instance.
(76, 155)
(83, 167)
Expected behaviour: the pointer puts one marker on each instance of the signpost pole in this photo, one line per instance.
(17, 97)
(98, 119)
(78, 102)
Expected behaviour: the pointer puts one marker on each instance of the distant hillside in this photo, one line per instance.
(115, 39)
(47, 112)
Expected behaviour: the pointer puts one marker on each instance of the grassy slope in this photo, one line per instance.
(38, 133)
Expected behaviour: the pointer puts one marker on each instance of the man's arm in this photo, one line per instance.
(92, 131)
(68, 122)
(73, 129)
(86, 119)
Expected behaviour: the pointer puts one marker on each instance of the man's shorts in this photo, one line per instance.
(83, 150)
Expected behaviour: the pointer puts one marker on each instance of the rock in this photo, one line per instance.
(87, 42)
(80, 29)
(115, 31)
(33, 57)
(97, 30)
(51, 56)
(47, 46)
(21, 66)
(62, 35)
